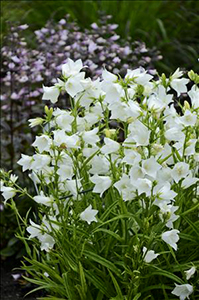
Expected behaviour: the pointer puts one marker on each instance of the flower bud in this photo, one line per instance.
(79, 156)
(191, 75)
(164, 80)
(186, 105)
(157, 148)
(146, 224)
(109, 132)
(63, 146)
(35, 122)
(48, 111)
(135, 248)
(130, 120)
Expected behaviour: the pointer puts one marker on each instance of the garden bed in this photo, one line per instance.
(14, 289)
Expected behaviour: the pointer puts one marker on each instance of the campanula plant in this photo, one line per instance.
(116, 185)
(25, 67)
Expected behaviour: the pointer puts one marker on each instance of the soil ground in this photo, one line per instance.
(11, 289)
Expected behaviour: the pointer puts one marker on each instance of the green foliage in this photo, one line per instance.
(81, 271)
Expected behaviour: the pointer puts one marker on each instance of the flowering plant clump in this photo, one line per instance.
(116, 183)
(25, 67)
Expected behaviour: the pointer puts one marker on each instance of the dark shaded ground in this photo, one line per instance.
(11, 289)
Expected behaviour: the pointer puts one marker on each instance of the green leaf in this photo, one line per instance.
(100, 296)
(82, 279)
(47, 269)
(8, 251)
(120, 217)
(167, 274)
(79, 288)
(35, 281)
(113, 234)
(162, 29)
(190, 210)
(137, 296)
(12, 241)
(67, 286)
(51, 298)
(157, 287)
(89, 159)
(37, 289)
(108, 210)
(72, 264)
(102, 261)
(188, 237)
(98, 283)
(117, 287)
(193, 226)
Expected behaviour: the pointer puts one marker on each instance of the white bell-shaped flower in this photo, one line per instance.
(89, 214)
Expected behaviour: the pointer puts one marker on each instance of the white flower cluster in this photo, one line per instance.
(123, 134)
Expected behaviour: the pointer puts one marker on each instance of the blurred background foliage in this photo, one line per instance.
(171, 26)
